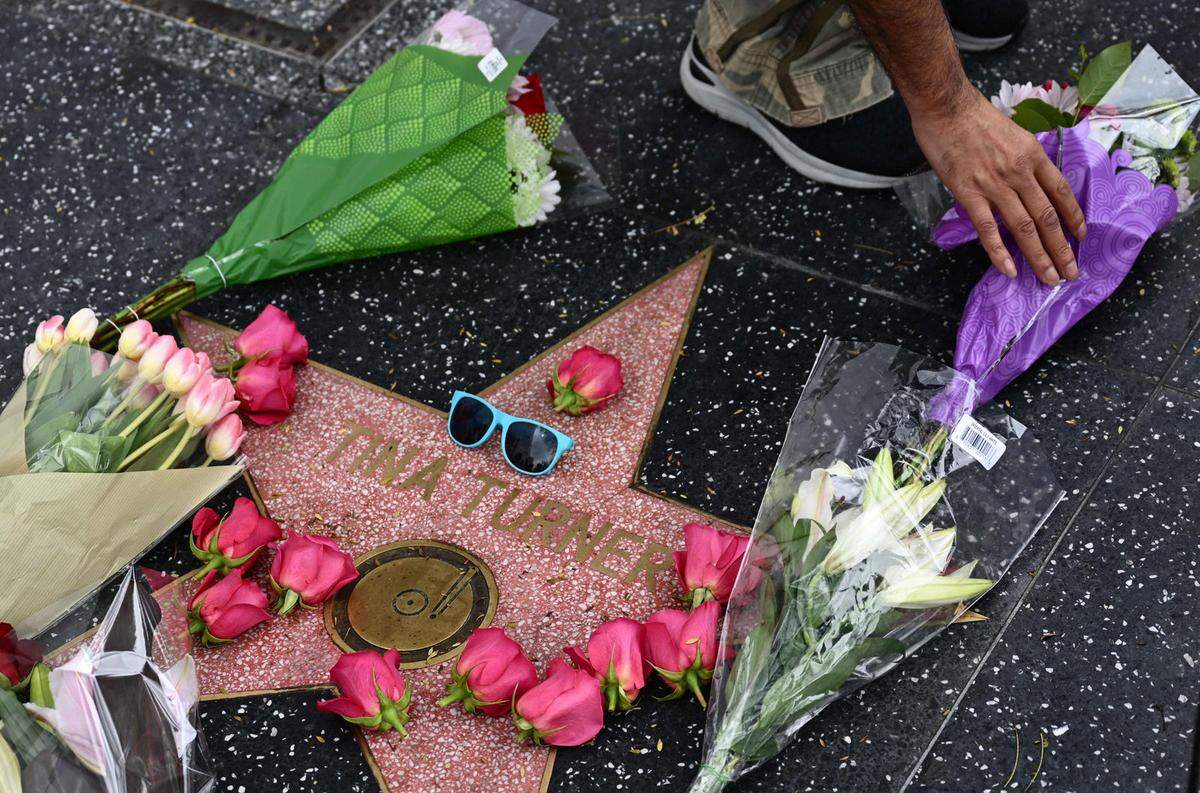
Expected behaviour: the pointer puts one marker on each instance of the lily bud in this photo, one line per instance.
(614, 658)
(374, 694)
(881, 482)
(814, 499)
(135, 339)
(923, 591)
(50, 333)
(864, 530)
(225, 438)
(154, 359)
(33, 356)
(82, 326)
(565, 709)
(181, 372)
(490, 673)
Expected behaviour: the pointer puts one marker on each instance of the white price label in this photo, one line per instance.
(493, 64)
(977, 441)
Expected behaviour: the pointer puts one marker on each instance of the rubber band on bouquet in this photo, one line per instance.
(217, 267)
(117, 327)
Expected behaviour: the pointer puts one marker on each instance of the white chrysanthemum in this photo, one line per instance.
(1065, 98)
(1012, 95)
(535, 188)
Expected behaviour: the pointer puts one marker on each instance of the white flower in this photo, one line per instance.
(1184, 194)
(518, 88)
(1063, 97)
(1012, 95)
(923, 591)
(33, 356)
(535, 186)
(75, 716)
(862, 532)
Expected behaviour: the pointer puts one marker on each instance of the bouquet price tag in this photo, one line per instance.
(977, 441)
(492, 64)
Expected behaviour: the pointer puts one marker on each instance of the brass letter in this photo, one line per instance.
(610, 549)
(645, 563)
(487, 485)
(578, 530)
(356, 431)
(553, 514)
(498, 514)
(427, 478)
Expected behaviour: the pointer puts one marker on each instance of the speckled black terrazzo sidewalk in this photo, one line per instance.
(128, 140)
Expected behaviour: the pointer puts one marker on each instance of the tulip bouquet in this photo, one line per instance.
(446, 141)
(883, 521)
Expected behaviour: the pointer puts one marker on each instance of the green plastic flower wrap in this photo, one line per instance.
(446, 141)
(891, 510)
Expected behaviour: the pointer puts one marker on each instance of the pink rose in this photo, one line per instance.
(461, 33)
(308, 570)
(491, 672)
(267, 391)
(614, 658)
(374, 694)
(682, 647)
(225, 608)
(709, 566)
(236, 541)
(585, 382)
(565, 709)
(272, 335)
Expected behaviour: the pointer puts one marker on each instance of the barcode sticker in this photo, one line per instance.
(492, 64)
(977, 441)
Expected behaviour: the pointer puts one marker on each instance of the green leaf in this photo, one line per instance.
(39, 686)
(1034, 115)
(1193, 172)
(42, 433)
(816, 555)
(833, 680)
(1103, 71)
(25, 735)
(85, 453)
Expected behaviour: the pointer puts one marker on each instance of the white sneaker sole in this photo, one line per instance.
(717, 99)
(968, 43)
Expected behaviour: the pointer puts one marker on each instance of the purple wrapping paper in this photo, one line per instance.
(1121, 208)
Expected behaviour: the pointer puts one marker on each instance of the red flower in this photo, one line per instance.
(17, 657)
(374, 694)
(614, 658)
(533, 101)
(682, 647)
(491, 672)
(565, 709)
(308, 570)
(585, 381)
(225, 608)
(267, 390)
(236, 541)
(709, 566)
(273, 335)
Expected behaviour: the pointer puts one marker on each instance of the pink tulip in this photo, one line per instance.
(100, 363)
(210, 400)
(565, 709)
(273, 335)
(181, 372)
(308, 570)
(205, 363)
(266, 390)
(585, 382)
(145, 395)
(682, 647)
(709, 566)
(33, 356)
(225, 438)
(236, 541)
(225, 608)
(82, 325)
(50, 333)
(614, 658)
(154, 359)
(135, 339)
(491, 672)
(374, 694)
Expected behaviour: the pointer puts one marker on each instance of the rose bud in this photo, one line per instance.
(210, 400)
(374, 694)
(267, 391)
(236, 541)
(136, 338)
(33, 356)
(614, 658)
(565, 709)
(308, 570)
(181, 372)
(491, 672)
(225, 608)
(272, 335)
(50, 333)
(81, 327)
(17, 657)
(154, 359)
(585, 382)
(709, 566)
(225, 438)
(682, 647)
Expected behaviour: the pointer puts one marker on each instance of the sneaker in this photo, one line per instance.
(983, 25)
(871, 149)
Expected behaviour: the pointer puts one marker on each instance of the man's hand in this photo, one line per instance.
(994, 167)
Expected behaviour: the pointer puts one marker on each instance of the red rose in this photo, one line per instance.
(273, 335)
(17, 657)
(267, 390)
(225, 608)
(586, 381)
(491, 672)
(235, 541)
(308, 570)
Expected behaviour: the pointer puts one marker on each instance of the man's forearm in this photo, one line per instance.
(914, 42)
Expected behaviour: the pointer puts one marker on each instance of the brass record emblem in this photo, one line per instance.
(422, 597)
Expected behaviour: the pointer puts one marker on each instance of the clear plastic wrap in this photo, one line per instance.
(117, 713)
(879, 526)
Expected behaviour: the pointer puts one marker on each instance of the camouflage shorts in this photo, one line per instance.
(802, 62)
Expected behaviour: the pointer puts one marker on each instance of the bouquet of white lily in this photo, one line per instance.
(891, 509)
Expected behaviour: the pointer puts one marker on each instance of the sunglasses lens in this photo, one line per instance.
(530, 448)
(470, 420)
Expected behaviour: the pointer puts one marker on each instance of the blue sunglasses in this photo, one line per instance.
(529, 446)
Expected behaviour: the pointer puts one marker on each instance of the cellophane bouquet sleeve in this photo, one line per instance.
(890, 511)
(117, 712)
(83, 491)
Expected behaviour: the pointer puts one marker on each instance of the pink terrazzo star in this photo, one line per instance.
(370, 468)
